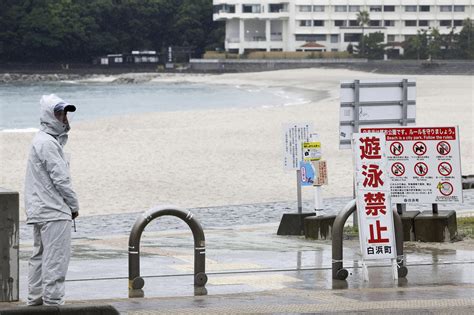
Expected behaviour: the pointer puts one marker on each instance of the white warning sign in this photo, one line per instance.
(424, 163)
(293, 137)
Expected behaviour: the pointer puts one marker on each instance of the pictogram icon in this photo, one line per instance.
(445, 188)
(419, 148)
(445, 168)
(421, 169)
(443, 148)
(398, 169)
(396, 148)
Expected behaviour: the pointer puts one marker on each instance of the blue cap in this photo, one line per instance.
(65, 107)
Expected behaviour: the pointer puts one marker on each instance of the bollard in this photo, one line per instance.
(135, 282)
(9, 245)
(338, 271)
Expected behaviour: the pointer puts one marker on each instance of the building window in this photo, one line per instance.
(353, 23)
(389, 8)
(424, 8)
(445, 8)
(340, 23)
(318, 23)
(446, 23)
(390, 38)
(340, 8)
(310, 38)
(410, 8)
(251, 8)
(458, 23)
(389, 23)
(304, 23)
(304, 8)
(375, 23)
(224, 8)
(334, 38)
(375, 8)
(423, 23)
(354, 8)
(318, 8)
(352, 37)
(410, 23)
(277, 7)
(458, 8)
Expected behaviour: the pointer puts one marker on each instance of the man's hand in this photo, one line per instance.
(75, 215)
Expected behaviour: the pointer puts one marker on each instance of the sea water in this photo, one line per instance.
(19, 103)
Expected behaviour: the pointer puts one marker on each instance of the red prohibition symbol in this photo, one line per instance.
(419, 148)
(446, 189)
(396, 148)
(445, 168)
(398, 169)
(443, 148)
(421, 169)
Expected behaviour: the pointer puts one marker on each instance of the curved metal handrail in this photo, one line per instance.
(338, 271)
(135, 282)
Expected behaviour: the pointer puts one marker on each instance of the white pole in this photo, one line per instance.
(318, 201)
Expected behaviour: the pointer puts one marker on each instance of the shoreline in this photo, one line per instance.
(74, 71)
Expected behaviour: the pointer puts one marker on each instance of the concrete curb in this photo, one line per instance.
(84, 309)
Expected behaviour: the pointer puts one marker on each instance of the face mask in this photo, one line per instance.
(63, 117)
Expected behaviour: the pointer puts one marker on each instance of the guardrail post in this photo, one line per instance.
(338, 271)
(9, 245)
(135, 282)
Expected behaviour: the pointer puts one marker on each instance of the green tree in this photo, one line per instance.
(373, 46)
(434, 44)
(78, 30)
(416, 46)
(363, 19)
(350, 49)
(464, 44)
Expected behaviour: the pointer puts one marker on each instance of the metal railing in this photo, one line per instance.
(135, 282)
(338, 271)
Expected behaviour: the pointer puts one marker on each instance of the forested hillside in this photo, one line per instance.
(79, 30)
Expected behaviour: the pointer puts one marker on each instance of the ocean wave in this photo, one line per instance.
(23, 130)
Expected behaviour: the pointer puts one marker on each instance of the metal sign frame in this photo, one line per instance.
(358, 105)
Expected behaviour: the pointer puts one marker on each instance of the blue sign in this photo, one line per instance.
(307, 173)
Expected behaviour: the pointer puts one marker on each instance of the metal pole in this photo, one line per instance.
(355, 220)
(405, 102)
(318, 202)
(298, 191)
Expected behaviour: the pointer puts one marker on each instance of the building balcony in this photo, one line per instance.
(232, 40)
(255, 38)
(276, 38)
(223, 15)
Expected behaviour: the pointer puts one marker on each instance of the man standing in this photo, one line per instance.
(50, 204)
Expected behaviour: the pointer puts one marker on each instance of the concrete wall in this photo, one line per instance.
(9, 245)
(440, 67)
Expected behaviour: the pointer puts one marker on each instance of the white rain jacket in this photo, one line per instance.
(48, 191)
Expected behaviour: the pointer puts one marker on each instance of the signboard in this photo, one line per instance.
(375, 215)
(381, 103)
(312, 149)
(307, 174)
(424, 164)
(293, 137)
(320, 173)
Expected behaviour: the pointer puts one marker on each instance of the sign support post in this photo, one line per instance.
(294, 135)
(298, 191)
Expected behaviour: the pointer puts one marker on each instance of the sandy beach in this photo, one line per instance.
(224, 157)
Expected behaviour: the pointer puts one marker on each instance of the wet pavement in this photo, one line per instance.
(252, 270)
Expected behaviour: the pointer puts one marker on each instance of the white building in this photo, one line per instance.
(330, 25)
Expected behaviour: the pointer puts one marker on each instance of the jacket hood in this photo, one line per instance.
(49, 123)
